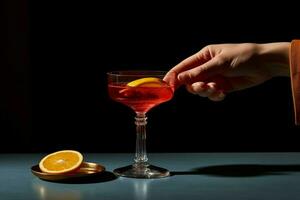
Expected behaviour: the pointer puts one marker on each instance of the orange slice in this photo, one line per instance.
(61, 162)
(146, 82)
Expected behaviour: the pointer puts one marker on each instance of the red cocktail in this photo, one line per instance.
(141, 91)
(140, 99)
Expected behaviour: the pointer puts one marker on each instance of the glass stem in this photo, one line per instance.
(140, 153)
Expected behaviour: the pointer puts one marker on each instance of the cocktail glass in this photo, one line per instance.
(141, 99)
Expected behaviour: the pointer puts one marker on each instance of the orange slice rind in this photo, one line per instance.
(61, 162)
(146, 82)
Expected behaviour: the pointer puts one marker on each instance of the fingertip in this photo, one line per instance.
(222, 95)
(190, 89)
(197, 84)
(219, 96)
(212, 85)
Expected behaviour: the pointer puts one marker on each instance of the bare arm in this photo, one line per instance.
(219, 69)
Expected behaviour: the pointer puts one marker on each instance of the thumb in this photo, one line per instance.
(205, 71)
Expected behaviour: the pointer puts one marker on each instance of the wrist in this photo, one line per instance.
(275, 57)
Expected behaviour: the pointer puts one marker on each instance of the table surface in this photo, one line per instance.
(194, 176)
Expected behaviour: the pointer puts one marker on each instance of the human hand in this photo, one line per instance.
(219, 69)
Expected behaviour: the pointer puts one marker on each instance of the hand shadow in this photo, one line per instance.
(241, 170)
(97, 178)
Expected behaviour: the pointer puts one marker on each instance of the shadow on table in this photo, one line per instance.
(99, 178)
(241, 170)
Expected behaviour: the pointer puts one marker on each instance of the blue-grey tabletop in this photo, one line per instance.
(206, 176)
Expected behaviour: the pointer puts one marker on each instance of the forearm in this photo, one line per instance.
(275, 57)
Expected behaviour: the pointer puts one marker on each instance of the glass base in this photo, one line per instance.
(142, 171)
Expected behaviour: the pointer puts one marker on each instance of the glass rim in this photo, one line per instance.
(137, 73)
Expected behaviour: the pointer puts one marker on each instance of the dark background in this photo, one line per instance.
(54, 57)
